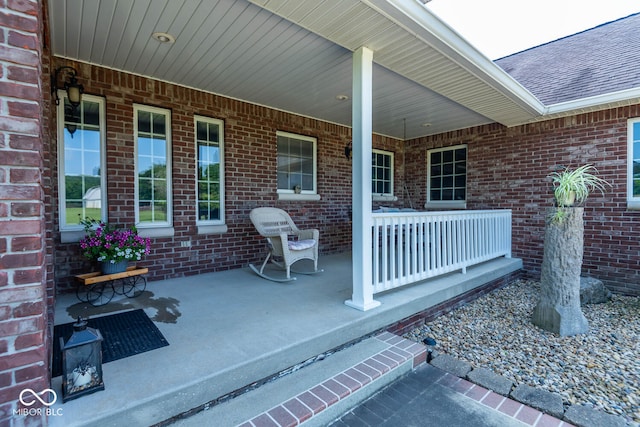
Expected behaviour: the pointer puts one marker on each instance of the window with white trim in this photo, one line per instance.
(633, 163)
(296, 164)
(152, 131)
(382, 173)
(210, 171)
(447, 177)
(81, 162)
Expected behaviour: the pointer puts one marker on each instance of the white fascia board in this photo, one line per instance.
(613, 99)
(416, 18)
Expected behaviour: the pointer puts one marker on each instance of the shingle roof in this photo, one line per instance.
(597, 61)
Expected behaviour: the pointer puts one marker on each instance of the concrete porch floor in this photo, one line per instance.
(229, 329)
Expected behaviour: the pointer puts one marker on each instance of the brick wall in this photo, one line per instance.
(507, 169)
(24, 337)
(250, 169)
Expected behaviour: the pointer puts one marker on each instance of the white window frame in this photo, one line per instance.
(210, 226)
(384, 197)
(447, 204)
(633, 202)
(158, 228)
(75, 232)
(290, 194)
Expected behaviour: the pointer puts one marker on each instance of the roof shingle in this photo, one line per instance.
(601, 60)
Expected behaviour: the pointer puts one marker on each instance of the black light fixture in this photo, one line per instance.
(70, 84)
(348, 149)
(431, 345)
(81, 362)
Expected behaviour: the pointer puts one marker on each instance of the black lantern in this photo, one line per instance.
(74, 94)
(70, 84)
(81, 362)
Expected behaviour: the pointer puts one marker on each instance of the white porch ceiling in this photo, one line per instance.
(295, 55)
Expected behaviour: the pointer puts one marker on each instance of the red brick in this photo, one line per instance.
(26, 209)
(10, 20)
(24, 6)
(6, 379)
(19, 294)
(10, 260)
(30, 373)
(298, 409)
(13, 393)
(19, 326)
(283, 417)
(509, 407)
(19, 244)
(24, 109)
(28, 309)
(27, 277)
(20, 359)
(24, 142)
(28, 340)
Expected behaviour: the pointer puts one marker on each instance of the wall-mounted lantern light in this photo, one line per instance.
(69, 83)
(348, 149)
(74, 93)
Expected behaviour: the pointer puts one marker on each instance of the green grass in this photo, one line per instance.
(74, 215)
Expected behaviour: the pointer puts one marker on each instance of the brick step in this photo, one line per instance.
(319, 393)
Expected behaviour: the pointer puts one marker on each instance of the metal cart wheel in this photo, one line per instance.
(134, 286)
(100, 293)
(82, 292)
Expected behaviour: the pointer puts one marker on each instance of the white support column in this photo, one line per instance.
(362, 296)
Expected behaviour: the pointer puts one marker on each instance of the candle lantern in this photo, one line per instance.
(81, 362)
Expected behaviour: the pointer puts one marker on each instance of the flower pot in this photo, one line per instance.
(567, 201)
(113, 267)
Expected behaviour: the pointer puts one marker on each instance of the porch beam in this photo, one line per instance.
(362, 280)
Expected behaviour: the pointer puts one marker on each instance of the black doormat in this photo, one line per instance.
(124, 334)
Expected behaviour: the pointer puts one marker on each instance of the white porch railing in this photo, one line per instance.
(412, 246)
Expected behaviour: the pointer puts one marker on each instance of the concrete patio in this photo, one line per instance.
(230, 329)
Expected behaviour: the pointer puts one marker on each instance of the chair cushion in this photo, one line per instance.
(300, 245)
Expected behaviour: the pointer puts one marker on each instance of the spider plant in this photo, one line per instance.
(574, 186)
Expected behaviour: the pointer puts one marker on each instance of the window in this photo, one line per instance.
(382, 173)
(296, 167)
(210, 171)
(152, 130)
(633, 164)
(81, 148)
(447, 177)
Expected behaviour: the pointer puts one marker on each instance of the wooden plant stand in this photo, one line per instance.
(98, 289)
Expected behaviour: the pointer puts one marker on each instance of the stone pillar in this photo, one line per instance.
(559, 307)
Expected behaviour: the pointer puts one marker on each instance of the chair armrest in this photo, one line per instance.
(308, 234)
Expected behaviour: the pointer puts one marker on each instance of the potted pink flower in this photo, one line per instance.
(113, 248)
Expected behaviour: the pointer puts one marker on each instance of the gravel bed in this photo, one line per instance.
(600, 368)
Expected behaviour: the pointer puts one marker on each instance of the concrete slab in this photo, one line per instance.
(230, 329)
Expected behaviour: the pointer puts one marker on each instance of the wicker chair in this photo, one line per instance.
(285, 241)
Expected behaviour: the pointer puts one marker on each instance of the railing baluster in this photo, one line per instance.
(409, 247)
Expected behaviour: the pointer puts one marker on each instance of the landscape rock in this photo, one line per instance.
(584, 416)
(488, 379)
(451, 365)
(593, 291)
(545, 401)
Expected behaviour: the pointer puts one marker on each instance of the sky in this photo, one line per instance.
(499, 28)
